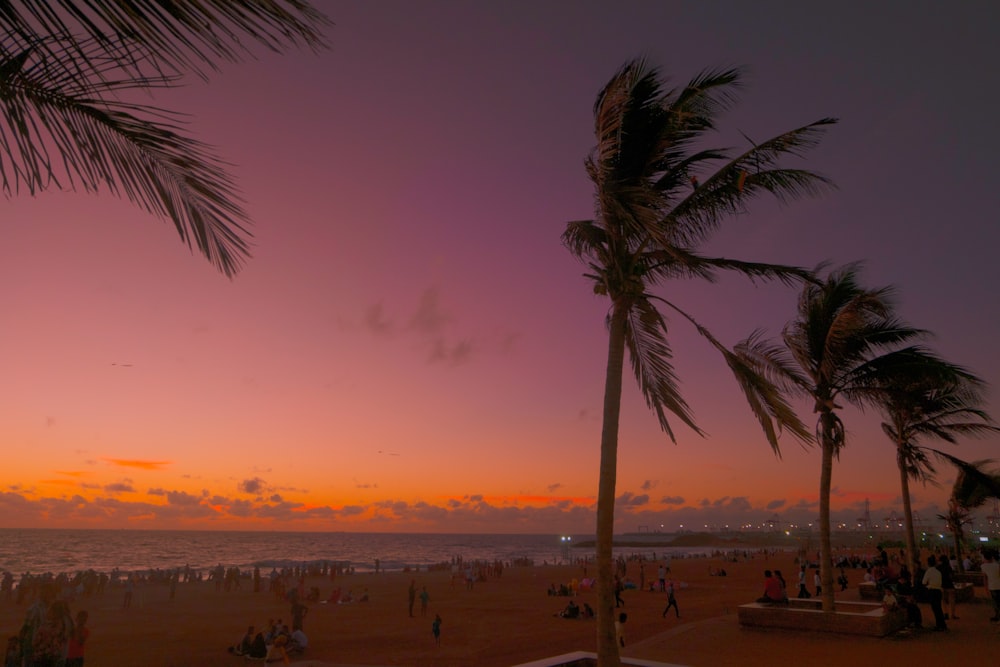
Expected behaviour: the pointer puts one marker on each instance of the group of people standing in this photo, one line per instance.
(425, 599)
(51, 636)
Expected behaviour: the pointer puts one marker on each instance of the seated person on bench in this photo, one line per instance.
(773, 593)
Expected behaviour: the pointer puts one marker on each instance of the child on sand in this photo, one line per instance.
(436, 629)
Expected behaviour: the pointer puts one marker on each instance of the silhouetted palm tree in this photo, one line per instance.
(843, 344)
(939, 403)
(652, 215)
(973, 486)
(69, 71)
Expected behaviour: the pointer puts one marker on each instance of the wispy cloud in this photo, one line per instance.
(139, 463)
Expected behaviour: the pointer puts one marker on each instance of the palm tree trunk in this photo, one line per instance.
(959, 536)
(825, 545)
(607, 646)
(911, 538)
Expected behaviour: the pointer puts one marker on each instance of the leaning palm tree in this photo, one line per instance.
(651, 217)
(71, 72)
(972, 488)
(844, 343)
(940, 403)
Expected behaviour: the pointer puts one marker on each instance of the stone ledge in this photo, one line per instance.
(588, 659)
(853, 618)
(974, 578)
(964, 591)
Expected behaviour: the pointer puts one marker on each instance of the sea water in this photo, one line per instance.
(56, 550)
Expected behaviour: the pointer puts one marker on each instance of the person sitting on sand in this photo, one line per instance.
(278, 650)
(258, 647)
(242, 647)
(572, 610)
(588, 611)
(297, 642)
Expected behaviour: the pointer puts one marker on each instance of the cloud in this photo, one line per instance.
(430, 326)
(775, 504)
(252, 486)
(376, 321)
(453, 354)
(166, 508)
(119, 487)
(139, 463)
(429, 317)
(672, 500)
(628, 499)
(552, 488)
(649, 485)
(182, 498)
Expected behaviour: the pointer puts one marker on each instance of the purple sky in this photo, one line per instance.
(411, 347)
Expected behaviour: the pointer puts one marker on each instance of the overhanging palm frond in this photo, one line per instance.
(185, 36)
(136, 151)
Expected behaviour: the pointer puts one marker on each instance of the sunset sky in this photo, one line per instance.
(411, 348)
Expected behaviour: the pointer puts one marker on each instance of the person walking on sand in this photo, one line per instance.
(129, 589)
(803, 591)
(436, 629)
(671, 600)
(425, 597)
(412, 593)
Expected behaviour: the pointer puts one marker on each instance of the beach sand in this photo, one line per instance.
(502, 622)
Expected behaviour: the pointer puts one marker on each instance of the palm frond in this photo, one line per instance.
(728, 191)
(183, 36)
(135, 151)
(650, 355)
(681, 262)
(765, 398)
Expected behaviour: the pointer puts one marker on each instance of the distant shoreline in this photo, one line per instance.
(750, 540)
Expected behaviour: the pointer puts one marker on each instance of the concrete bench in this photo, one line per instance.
(869, 591)
(974, 578)
(964, 591)
(852, 618)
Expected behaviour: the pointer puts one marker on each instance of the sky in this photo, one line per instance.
(412, 349)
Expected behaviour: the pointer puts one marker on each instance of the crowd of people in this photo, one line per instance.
(51, 635)
(932, 583)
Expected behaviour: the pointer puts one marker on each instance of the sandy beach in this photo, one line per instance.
(501, 622)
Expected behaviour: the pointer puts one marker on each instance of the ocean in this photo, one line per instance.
(56, 550)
